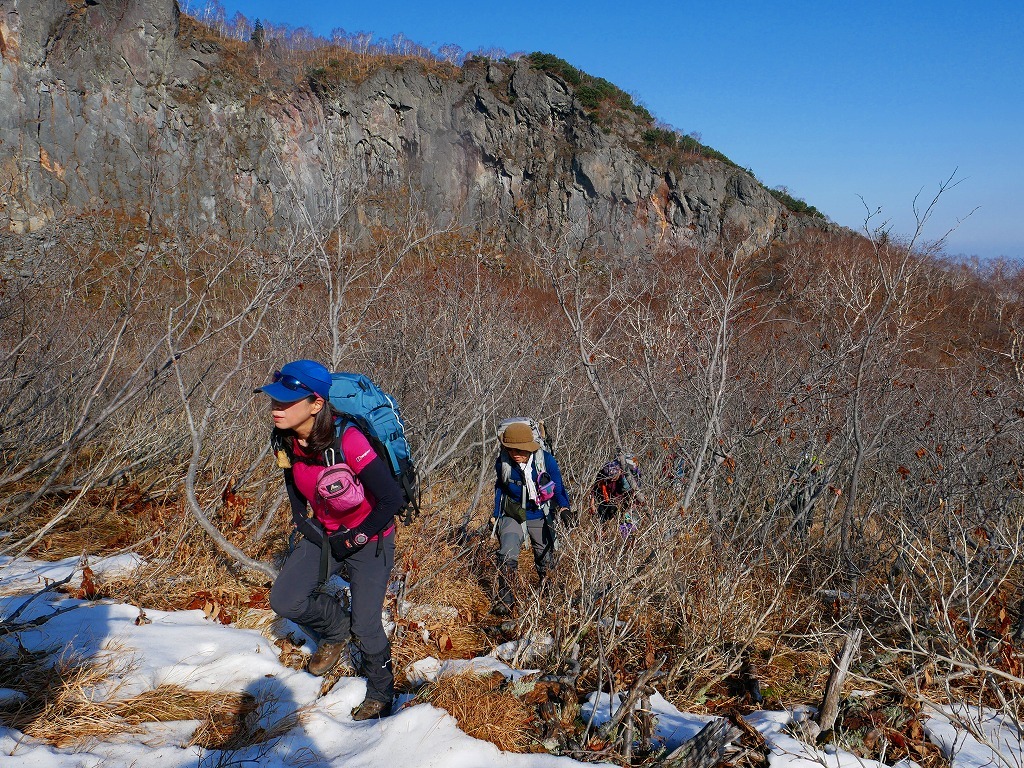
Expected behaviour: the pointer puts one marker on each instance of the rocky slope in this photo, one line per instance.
(110, 104)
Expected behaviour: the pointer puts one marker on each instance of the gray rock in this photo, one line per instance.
(106, 105)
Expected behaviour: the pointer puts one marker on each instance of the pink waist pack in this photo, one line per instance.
(545, 488)
(339, 488)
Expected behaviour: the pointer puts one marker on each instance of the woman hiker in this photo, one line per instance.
(528, 484)
(361, 539)
(615, 495)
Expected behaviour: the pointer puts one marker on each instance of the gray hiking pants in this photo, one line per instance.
(296, 596)
(510, 541)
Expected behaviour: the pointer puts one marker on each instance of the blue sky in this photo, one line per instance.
(835, 101)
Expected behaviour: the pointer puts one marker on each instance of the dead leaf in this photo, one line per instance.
(89, 588)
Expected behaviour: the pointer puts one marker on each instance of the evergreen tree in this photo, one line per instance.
(257, 35)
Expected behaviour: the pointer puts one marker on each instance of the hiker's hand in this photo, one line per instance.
(345, 543)
(568, 517)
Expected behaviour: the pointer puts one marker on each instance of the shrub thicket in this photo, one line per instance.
(592, 92)
(725, 369)
(678, 145)
(794, 204)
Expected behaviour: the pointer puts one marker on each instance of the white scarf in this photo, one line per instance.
(529, 487)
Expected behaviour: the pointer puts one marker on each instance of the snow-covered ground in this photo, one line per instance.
(976, 738)
(187, 649)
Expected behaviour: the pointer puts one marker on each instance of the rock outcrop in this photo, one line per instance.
(108, 104)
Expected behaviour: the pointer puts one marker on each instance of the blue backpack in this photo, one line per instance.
(376, 415)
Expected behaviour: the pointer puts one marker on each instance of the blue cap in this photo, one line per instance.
(297, 380)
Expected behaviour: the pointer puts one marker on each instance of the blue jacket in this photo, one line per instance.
(514, 487)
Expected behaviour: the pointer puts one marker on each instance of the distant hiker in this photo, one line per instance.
(360, 538)
(616, 492)
(528, 492)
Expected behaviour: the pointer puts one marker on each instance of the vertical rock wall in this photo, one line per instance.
(106, 107)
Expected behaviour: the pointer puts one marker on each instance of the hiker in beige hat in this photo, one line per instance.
(528, 492)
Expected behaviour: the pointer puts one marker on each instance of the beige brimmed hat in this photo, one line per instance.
(520, 437)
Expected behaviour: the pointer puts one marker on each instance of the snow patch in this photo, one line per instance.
(976, 738)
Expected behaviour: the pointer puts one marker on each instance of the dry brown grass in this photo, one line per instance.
(104, 521)
(59, 706)
(330, 66)
(261, 619)
(445, 597)
(72, 702)
(437, 570)
(789, 676)
(333, 67)
(184, 570)
(460, 592)
(484, 710)
(457, 642)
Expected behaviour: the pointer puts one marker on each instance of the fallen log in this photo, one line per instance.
(705, 750)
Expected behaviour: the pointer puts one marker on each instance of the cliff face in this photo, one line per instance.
(106, 104)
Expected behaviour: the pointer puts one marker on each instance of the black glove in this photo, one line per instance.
(378, 482)
(345, 542)
(568, 517)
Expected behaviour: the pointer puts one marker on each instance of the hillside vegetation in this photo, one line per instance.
(130, 355)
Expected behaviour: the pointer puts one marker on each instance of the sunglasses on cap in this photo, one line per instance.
(290, 382)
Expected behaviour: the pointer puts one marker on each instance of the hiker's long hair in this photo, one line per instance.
(321, 436)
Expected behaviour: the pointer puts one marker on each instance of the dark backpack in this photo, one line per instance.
(375, 414)
(613, 481)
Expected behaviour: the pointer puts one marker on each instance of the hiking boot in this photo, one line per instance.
(371, 709)
(326, 656)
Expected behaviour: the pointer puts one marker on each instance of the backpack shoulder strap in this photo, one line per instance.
(505, 468)
(339, 430)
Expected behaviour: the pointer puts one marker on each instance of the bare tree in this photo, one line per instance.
(210, 399)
